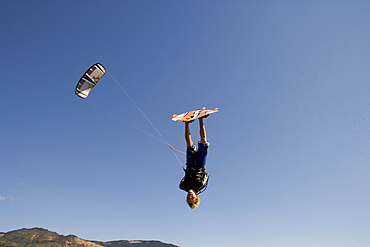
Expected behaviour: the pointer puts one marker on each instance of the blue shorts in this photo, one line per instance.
(196, 156)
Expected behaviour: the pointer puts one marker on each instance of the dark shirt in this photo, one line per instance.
(196, 178)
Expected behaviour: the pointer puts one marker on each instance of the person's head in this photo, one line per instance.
(192, 199)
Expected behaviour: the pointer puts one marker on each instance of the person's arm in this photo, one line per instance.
(189, 141)
(202, 132)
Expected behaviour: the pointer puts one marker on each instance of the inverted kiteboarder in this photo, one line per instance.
(196, 178)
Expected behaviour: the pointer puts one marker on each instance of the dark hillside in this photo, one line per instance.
(39, 237)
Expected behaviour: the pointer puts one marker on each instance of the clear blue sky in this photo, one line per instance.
(289, 157)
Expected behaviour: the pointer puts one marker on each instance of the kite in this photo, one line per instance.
(89, 80)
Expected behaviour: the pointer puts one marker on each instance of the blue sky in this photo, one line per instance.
(289, 156)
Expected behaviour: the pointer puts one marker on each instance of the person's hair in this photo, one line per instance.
(193, 203)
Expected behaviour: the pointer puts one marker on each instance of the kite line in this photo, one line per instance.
(161, 139)
(88, 81)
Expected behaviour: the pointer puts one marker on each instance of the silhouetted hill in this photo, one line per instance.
(38, 237)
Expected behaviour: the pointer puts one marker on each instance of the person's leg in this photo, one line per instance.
(202, 145)
(190, 149)
(189, 141)
(202, 132)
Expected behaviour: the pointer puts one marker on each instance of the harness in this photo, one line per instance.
(195, 178)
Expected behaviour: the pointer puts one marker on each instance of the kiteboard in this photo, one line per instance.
(191, 115)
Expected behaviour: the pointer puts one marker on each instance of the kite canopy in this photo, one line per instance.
(89, 79)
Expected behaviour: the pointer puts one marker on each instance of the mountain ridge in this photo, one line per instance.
(40, 237)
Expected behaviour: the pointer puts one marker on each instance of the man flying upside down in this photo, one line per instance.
(196, 178)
